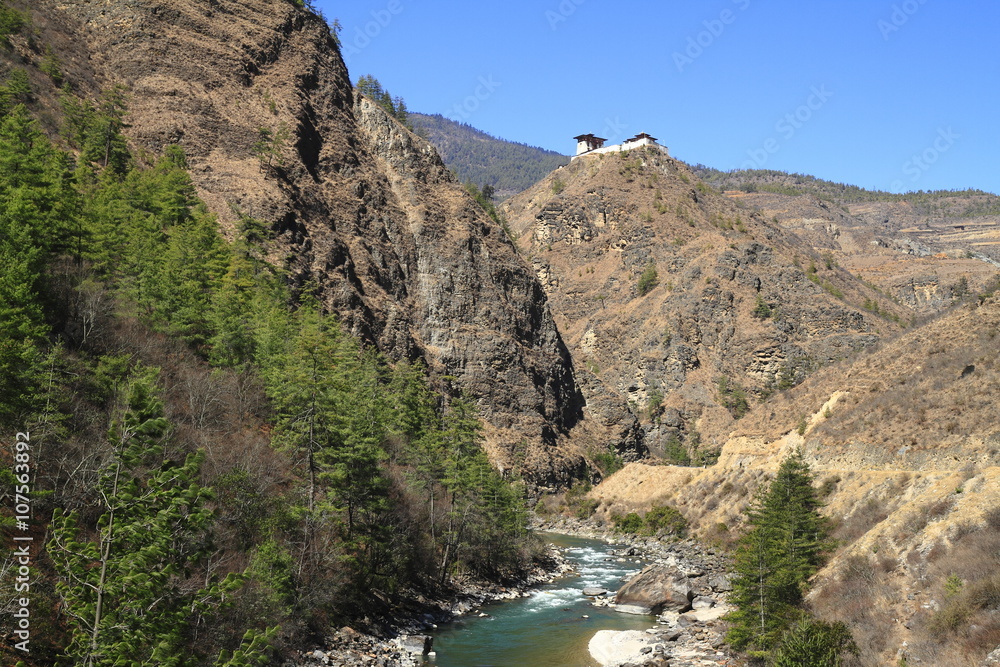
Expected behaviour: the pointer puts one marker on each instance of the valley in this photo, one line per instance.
(340, 382)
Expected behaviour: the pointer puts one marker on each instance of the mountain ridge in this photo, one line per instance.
(482, 159)
(735, 297)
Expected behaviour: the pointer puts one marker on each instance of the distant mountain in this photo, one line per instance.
(949, 203)
(476, 156)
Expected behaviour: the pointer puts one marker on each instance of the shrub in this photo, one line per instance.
(11, 22)
(654, 404)
(666, 519)
(607, 461)
(628, 523)
(762, 310)
(733, 397)
(814, 643)
(558, 185)
(648, 280)
(674, 452)
(585, 508)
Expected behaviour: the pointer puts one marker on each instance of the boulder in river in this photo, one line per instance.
(594, 591)
(657, 588)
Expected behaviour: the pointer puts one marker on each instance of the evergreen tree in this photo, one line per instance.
(774, 560)
(34, 200)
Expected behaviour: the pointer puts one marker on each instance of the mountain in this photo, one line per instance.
(922, 249)
(483, 159)
(687, 304)
(359, 210)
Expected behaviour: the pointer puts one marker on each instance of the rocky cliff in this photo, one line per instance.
(362, 212)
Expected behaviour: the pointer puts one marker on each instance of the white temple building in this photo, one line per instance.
(589, 144)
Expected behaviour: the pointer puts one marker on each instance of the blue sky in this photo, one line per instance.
(896, 95)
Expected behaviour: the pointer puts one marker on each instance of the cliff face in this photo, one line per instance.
(362, 211)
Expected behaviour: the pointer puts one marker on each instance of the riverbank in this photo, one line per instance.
(681, 639)
(403, 640)
(692, 638)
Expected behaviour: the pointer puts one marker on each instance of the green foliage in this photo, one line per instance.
(963, 601)
(630, 523)
(269, 149)
(387, 482)
(370, 87)
(558, 185)
(675, 452)
(647, 280)
(123, 591)
(51, 65)
(654, 404)
(784, 546)
(762, 310)
(11, 23)
(665, 519)
(733, 397)
(35, 200)
(484, 198)
(658, 520)
(953, 585)
(478, 157)
(586, 507)
(16, 89)
(607, 461)
(814, 643)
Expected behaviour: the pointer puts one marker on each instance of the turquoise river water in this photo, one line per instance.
(549, 628)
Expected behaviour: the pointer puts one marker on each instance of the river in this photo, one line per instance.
(552, 627)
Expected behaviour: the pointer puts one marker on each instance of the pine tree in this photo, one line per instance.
(774, 560)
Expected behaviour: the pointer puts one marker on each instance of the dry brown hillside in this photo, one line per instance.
(739, 306)
(919, 260)
(905, 445)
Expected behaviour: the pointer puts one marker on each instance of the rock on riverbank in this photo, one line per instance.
(684, 581)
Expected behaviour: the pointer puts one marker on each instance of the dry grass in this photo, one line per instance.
(949, 613)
